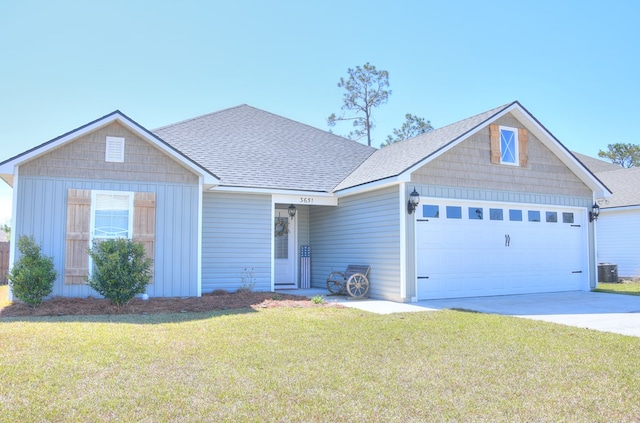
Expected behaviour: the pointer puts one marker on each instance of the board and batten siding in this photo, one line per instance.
(362, 229)
(237, 234)
(468, 165)
(619, 240)
(176, 224)
(84, 158)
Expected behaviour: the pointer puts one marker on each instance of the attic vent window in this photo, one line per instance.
(114, 151)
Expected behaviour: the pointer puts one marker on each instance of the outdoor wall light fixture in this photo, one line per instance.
(292, 211)
(594, 213)
(414, 200)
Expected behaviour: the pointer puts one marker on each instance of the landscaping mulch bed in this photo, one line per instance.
(61, 306)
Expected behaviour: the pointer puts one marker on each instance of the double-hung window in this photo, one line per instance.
(111, 215)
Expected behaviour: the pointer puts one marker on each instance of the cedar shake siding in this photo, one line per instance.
(85, 158)
(471, 164)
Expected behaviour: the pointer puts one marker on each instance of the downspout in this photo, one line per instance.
(593, 279)
(403, 241)
(200, 237)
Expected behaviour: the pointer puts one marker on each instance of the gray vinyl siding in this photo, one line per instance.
(468, 165)
(42, 208)
(237, 234)
(619, 240)
(362, 229)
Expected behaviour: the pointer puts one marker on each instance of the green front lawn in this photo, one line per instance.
(630, 288)
(313, 365)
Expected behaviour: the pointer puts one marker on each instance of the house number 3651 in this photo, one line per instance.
(306, 200)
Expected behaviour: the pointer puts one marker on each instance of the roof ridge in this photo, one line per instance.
(201, 116)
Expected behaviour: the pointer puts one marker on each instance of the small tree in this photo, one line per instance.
(121, 269)
(33, 275)
(366, 89)
(626, 155)
(412, 127)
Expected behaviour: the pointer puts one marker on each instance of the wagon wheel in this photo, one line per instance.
(358, 285)
(335, 283)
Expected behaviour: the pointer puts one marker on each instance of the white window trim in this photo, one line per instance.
(516, 151)
(94, 193)
(114, 150)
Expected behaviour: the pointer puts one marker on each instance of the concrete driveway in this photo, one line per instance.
(593, 310)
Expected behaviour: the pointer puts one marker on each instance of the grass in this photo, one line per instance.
(629, 288)
(313, 365)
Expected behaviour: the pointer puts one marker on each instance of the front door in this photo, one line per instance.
(285, 251)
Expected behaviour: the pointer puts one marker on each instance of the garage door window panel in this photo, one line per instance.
(534, 216)
(475, 213)
(552, 217)
(515, 215)
(567, 218)
(454, 212)
(432, 211)
(496, 214)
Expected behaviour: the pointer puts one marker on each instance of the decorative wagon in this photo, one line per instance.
(353, 281)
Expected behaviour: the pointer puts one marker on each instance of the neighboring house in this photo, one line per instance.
(618, 227)
(503, 204)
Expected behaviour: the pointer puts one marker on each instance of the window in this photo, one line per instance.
(111, 215)
(114, 150)
(552, 217)
(99, 215)
(430, 211)
(495, 214)
(567, 217)
(475, 213)
(534, 216)
(508, 146)
(454, 212)
(515, 215)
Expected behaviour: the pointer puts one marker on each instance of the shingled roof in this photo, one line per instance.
(625, 184)
(596, 165)
(395, 159)
(251, 148)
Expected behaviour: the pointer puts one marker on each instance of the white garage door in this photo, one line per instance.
(468, 249)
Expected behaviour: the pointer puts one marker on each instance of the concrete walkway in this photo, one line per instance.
(592, 310)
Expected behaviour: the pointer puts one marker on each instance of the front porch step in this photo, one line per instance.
(284, 286)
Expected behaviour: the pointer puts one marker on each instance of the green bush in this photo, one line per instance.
(121, 269)
(33, 275)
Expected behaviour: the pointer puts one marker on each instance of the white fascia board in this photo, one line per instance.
(598, 188)
(619, 209)
(546, 138)
(271, 191)
(7, 168)
(449, 146)
(304, 200)
(371, 186)
(208, 178)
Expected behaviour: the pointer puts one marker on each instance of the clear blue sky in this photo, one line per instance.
(573, 64)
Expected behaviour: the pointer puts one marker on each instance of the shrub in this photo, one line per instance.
(121, 269)
(247, 281)
(33, 275)
(318, 299)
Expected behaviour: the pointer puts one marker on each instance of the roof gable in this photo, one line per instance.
(399, 160)
(7, 166)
